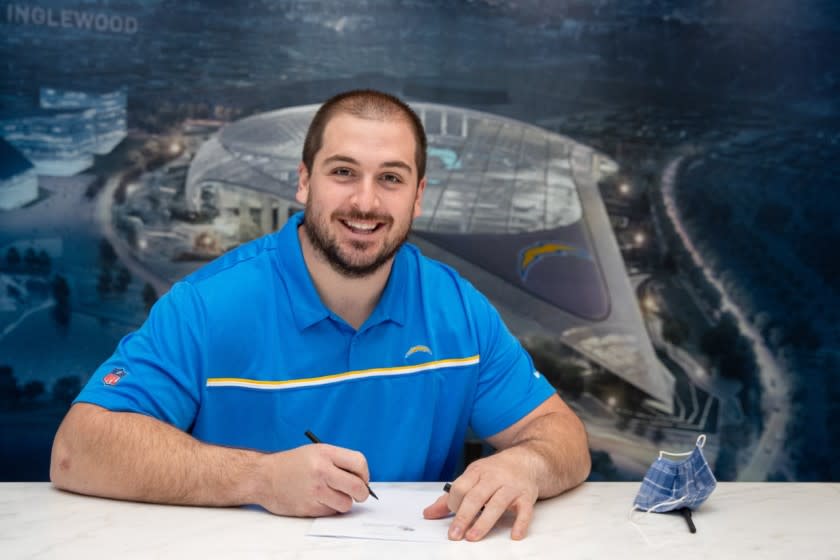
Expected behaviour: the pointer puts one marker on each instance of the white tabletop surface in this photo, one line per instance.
(740, 520)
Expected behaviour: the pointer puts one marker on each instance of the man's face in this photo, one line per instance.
(362, 192)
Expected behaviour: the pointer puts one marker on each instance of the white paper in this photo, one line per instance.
(397, 516)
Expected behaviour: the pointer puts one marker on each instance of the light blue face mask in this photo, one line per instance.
(671, 484)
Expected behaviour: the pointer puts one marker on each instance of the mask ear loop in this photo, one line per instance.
(647, 511)
(652, 509)
(701, 441)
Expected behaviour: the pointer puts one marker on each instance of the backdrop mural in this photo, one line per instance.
(645, 189)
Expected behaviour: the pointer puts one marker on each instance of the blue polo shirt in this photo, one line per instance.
(244, 353)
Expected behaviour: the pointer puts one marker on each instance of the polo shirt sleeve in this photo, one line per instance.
(157, 369)
(509, 387)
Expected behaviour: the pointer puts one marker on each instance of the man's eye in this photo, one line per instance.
(391, 178)
(343, 171)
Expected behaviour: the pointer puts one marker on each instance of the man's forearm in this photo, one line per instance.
(134, 457)
(558, 451)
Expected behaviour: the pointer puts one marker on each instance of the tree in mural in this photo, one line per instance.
(103, 283)
(44, 261)
(107, 254)
(32, 390)
(12, 257)
(8, 388)
(122, 280)
(30, 259)
(150, 296)
(61, 294)
(66, 388)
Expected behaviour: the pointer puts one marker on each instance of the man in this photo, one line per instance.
(331, 325)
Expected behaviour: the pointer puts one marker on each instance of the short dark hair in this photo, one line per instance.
(365, 104)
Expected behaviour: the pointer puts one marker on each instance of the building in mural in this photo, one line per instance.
(108, 113)
(61, 136)
(18, 182)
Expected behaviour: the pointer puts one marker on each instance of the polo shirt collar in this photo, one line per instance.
(393, 303)
(307, 306)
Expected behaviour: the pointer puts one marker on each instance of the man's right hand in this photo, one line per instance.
(312, 480)
(159, 463)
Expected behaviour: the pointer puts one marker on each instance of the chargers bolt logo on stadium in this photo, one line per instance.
(531, 255)
(113, 377)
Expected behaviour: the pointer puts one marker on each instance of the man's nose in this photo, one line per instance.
(365, 196)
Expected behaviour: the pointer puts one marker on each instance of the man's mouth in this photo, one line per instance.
(361, 226)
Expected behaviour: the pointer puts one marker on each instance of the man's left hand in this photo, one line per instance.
(488, 488)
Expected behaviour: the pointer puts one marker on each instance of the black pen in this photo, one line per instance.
(314, 439)
(686, 513)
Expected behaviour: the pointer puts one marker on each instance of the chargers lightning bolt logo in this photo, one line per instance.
(418, 348)
(533, 254)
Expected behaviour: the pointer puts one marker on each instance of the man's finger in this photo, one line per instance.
(351, 461)
(524, 514)
(337, 502)
(493, 510)
(317, 509)
(460, 487)
(347, 483)
(470, 507)
(439, 509)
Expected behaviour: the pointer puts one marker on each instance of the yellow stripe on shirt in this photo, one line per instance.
(339, 377)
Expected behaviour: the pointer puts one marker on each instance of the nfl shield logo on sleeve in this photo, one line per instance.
(113, 377)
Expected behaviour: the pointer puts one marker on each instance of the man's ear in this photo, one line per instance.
(418, 199)
(302, 194)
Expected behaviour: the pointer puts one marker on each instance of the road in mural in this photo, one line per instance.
(643, 189)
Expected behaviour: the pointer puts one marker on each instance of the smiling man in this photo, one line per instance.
(333, 324)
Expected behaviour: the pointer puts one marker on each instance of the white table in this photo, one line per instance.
(743, 520)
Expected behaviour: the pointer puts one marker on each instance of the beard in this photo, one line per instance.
(350, 262)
